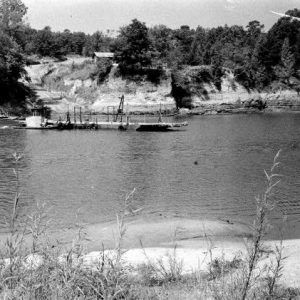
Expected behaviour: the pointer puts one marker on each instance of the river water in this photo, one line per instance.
(211, 169)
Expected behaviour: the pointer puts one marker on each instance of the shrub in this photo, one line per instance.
(190, 81)
(152, 74)
(102, 70)
(220, 266)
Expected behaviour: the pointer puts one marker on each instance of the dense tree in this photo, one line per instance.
(217, 71)
(12, 64)
(260, 77)
(283, 28)
(293, 12)
(253, 33)
(286, 69)
(11, 14)
(198, 47)
(297, 51)
(133, 47)
(184, 37)
(63, 41)
(97, 41)
(44, 42)
(78, 42)
(161, 40)
(252, 73)
(24, 37)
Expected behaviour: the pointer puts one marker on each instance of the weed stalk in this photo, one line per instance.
(264, 205)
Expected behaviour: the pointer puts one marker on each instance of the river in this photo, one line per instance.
(211, 169)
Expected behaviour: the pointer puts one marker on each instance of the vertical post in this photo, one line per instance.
(80, 117)
(127, 115)
(74, 115)
(43, 114)
(107, 114)
(159, 117)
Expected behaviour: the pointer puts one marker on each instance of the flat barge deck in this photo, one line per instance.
(120, 121)
(159, 126)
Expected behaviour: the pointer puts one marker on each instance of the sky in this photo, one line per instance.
(92, 15)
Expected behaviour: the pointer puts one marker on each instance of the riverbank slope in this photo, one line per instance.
(74, 82)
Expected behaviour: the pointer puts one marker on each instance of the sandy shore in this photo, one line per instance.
(197, 257)
(197, 242)
(158, 231)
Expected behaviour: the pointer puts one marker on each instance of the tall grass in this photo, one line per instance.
(33, 268)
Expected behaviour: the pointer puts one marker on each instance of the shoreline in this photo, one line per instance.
(196, 243)
(204, 108)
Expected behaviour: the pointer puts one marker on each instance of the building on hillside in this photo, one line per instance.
(97, 56)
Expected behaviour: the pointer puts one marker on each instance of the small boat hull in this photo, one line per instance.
(154, 127)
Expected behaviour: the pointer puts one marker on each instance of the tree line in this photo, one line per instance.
(258, 59)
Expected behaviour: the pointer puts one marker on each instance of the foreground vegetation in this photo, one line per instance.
(258, 59)
(32, 267)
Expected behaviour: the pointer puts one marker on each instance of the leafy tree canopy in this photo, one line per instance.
(133, 47)
(286, 69)
(13, 90)
(282, 29)
(293, 12)
(11, 14)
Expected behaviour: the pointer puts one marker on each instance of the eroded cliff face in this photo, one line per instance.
(195, 86)
(75, 82)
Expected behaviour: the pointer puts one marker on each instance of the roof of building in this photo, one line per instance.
(103, 54)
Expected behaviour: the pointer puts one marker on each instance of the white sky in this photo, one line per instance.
(92, 15)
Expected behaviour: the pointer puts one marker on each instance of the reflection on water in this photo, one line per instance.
(88, 173)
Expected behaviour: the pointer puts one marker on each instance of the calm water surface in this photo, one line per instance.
(212, 169)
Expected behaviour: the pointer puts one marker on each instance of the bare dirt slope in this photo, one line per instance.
(72, 83)
(63, 85)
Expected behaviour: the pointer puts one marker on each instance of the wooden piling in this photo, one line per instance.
(159, 116)
(74, 115)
